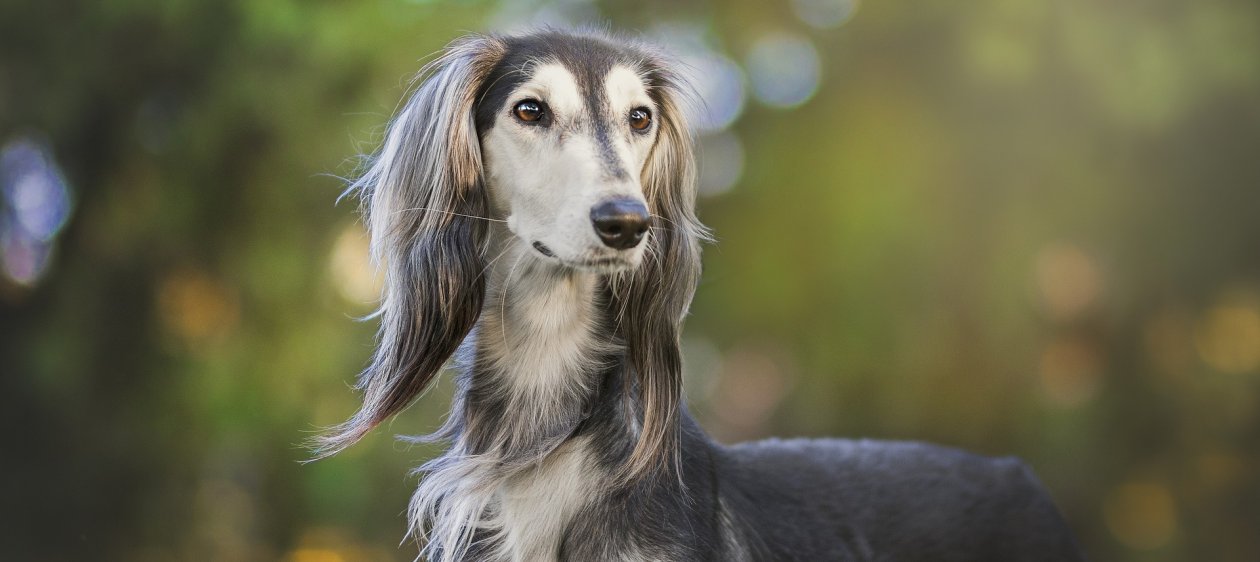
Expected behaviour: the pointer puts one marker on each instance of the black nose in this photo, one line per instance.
(620, 223)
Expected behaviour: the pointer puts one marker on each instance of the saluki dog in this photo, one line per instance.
(533, 210)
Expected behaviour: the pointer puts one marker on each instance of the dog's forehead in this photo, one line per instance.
(624, 87)
(594, 71)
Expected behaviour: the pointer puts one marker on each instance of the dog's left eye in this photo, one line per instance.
(640, 118)
(529, 111)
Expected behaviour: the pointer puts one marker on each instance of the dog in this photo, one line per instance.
(533, 210)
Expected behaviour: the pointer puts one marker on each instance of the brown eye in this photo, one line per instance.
(529, 111)
(640, 118)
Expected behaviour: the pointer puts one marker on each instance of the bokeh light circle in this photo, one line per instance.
(784, 69)
(718, 81)
(34, 206)
(721, 162)
(825, 14)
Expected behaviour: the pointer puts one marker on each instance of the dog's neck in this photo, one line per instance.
(539, 354)
(538, 409)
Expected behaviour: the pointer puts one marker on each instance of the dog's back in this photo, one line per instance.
(831, 499)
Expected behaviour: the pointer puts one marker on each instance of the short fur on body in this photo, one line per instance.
(569, 436)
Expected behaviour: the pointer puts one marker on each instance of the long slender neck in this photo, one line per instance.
(540, 358)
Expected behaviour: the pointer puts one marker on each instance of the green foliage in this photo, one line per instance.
(1018, 227)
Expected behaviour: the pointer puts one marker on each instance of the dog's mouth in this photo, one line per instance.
(543, 249)
(598, 263)
(607, 266)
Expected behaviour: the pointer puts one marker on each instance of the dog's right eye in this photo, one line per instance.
(529, 111)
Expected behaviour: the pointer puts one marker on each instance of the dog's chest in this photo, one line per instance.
(537, 505)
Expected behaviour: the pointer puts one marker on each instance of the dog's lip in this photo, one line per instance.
(599, 264)
(605, 267)
(543, 249)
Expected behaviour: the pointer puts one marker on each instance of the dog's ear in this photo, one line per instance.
(651, 304)
(422, 197)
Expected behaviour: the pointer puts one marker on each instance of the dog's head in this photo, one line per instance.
(579, 144)
(567, 126)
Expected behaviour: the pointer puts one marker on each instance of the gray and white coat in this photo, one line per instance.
(569, 438)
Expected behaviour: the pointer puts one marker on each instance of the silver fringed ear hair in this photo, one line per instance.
(422, 196)
(651, 301)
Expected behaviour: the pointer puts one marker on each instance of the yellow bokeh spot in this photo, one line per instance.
(1141, 515)
(354, 275)
(1228, 335)
(196, 307)
(1068, 280)
(331, 544)
(315, 555)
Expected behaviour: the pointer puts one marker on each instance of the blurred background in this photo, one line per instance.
(1024, 227)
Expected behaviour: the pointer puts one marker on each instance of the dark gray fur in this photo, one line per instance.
(674, 494)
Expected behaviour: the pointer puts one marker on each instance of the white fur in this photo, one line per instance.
(543, 324)
(544, 183)
(536, 505)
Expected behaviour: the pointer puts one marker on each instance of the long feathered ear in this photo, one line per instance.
(651, 304)
(422, 197)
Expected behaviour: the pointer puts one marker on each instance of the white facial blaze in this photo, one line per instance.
(555, 85)
(544, 179)
(626, 91)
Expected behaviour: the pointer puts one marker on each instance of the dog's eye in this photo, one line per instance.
(529, 111)
(640, 118)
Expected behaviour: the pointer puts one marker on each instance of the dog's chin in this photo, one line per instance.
(602, 266)
(601, 263)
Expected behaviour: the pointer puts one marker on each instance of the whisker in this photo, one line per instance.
(654, 215)
(621, 313)
(496, 81)
(507, 247)
(503, 299)
(446, 212)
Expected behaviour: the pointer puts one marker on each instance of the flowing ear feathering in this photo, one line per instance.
(532, 207)
(429, 215)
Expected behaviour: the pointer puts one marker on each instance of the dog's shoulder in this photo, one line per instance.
(899, 499)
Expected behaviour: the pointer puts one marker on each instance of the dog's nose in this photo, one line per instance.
(620, 223)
